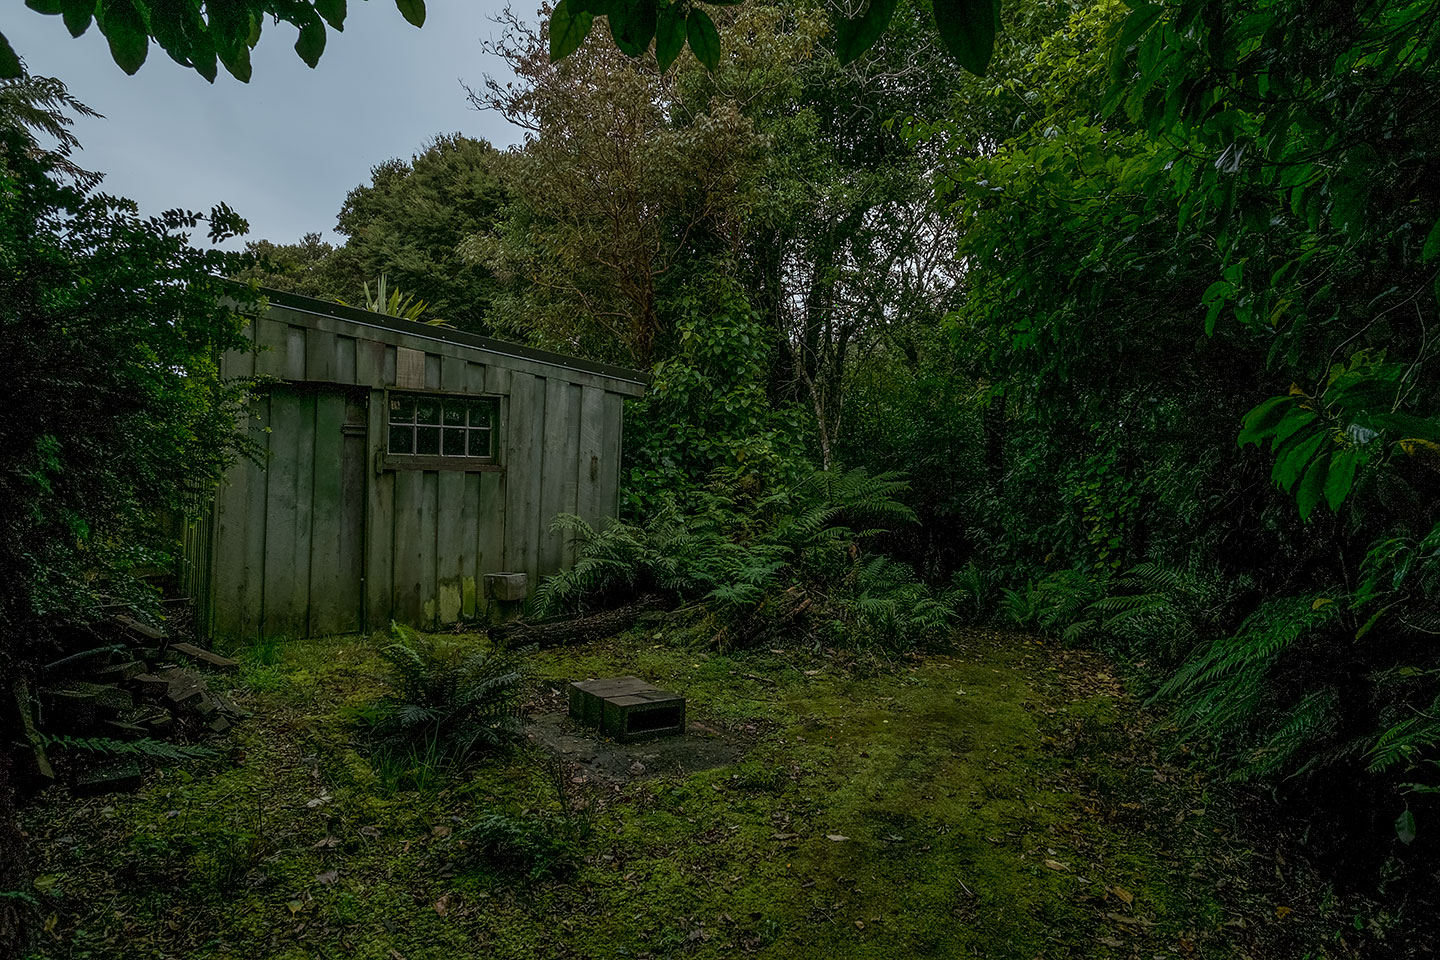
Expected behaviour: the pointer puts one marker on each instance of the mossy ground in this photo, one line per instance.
(998, 800)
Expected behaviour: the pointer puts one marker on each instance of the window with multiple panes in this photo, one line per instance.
(431, 426)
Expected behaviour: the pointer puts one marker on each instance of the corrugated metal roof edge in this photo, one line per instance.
(294, 301)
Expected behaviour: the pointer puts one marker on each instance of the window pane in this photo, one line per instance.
(402, 439)
(454, 413)
(427, 441)
(481, 413)
(427, 410)
(454, 443)
(402, 409)
(479, 443)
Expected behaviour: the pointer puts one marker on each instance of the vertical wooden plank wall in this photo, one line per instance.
(323, 540)
(379, 520)
(592, 458)
(609, 467)
(561, 440)
(524, 448)
(288, 512)
(337, 520)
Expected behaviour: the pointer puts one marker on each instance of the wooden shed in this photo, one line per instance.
(402, 463)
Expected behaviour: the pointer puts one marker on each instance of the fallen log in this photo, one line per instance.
(39, 769)
(559, 633)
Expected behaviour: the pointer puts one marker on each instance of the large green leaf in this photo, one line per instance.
(1139, 20)
(311, 42)
(1341, 478)
(1312, 487)
(1405, 826)
(77, 15)
(632, 25)
(967, 28)
(853, 37)
(50, 7)
(236, 59)
(1297, 418)
(168, 20)
(412, 10)
(10, 68)
(669, 34)
(333, 11)
(1262, 419)
(1292, 457)
(124, 29)
(704, 38)
(202, 54)
(568, 29)
(1432, 244)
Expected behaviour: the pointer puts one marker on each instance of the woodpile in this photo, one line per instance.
(136, 687)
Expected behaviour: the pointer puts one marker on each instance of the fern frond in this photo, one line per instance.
(1404, 742)
(1313, 718)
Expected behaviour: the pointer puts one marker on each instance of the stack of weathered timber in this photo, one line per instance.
(136, 685)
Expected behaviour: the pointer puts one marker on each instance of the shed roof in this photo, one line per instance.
(307, 311)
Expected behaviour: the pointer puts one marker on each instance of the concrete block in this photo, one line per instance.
(627, 708)
(507, 587)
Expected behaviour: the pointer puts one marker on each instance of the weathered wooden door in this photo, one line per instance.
(337, 543)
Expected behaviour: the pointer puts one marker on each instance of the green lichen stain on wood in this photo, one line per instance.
(427, 613)
(449, 601)
(467, 596)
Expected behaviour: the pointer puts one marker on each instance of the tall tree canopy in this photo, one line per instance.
(412, 218)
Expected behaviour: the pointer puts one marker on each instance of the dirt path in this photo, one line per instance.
(1002, 800)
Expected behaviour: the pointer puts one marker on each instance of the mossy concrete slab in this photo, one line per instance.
(627, 708)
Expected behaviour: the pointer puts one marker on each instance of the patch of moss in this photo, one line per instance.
(980, 804)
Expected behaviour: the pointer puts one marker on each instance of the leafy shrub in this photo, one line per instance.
(447, 701)
(116, 412)
(532, 847)
(708, 408)
(1052, 604)
(763, 564)
(1223, 691)
(972, 592)
(1156, 611)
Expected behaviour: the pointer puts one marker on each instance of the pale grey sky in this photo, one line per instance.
(284, 149)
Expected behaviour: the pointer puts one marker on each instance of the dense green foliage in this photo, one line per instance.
(1145, 317)
(1244, 211)
(116, 420)
(197, 34)
(776, 565)
(410, 223)
(966, 28)
(116, 413)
